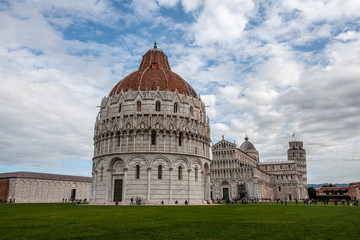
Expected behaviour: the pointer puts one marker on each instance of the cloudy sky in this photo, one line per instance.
(267, 69)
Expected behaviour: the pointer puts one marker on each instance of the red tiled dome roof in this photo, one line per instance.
(154, 73)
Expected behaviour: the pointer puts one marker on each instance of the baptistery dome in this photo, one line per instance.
(154, 73)
(151, 139)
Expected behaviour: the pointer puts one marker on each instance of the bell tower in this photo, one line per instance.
(297, 153)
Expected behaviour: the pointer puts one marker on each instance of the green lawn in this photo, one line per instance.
(260, 221)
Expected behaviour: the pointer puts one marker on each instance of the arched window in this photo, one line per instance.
(138, 106)
(157, 106)
(137, 171)
(191, 111)
(279, 189)
(120, 108)
(180, 173)
(196, 174)
(160, 172)
(175, 107)
(153, 138)
(180, 139)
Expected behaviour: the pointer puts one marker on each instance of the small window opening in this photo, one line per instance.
(157, 106)
(160, 172)
(137, 171)
(153, 138)
(138, 106)
(175, 107)
(180, 173)
(180, 139)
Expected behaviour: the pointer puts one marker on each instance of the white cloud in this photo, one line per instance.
(168, 3)
(191, 5)
(221, 21)
(349, 35)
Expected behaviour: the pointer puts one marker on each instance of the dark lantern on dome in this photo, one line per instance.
(247, 145)
(154, 73)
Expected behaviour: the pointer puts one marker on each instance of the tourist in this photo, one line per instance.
(162, 202)
(176, 202)
(132, 201)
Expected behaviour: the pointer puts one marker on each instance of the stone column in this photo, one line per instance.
(207, 186)
(120, 140)
(189, 184)
(148, 184)
(176, 143)
(127, 142)
(203, 184)
(170, 139)
(157, 141)
(170, 182)
(134, 141)
(108, 185)
(104, 145)
(142, 141)
(164, 140)
(124, 185)
(190, 145)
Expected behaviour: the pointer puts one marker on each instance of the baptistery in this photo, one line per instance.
(151, 140)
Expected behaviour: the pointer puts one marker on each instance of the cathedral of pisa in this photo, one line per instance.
(152, 143)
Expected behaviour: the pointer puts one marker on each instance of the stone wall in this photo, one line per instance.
(146, 182)
(4, 190)
(25, 190)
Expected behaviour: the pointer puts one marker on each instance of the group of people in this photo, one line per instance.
(137, 202)
(254, 201)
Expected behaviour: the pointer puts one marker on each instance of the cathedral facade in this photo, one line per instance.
(238, 173)
(151, 140)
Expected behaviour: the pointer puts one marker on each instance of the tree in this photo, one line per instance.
(312, 192)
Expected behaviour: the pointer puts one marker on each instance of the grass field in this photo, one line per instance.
(252, 221)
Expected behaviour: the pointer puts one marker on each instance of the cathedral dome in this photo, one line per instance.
(154, 73)
(247, 145)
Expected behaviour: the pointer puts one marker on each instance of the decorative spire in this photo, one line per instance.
(246, 138)
(155, 45)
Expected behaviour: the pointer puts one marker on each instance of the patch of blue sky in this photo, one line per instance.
(84, 52)
(4, 5)
(315, 46)
(177, 13)
(258, 19)
(123, 5)
(90, 31)
(75, 164)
